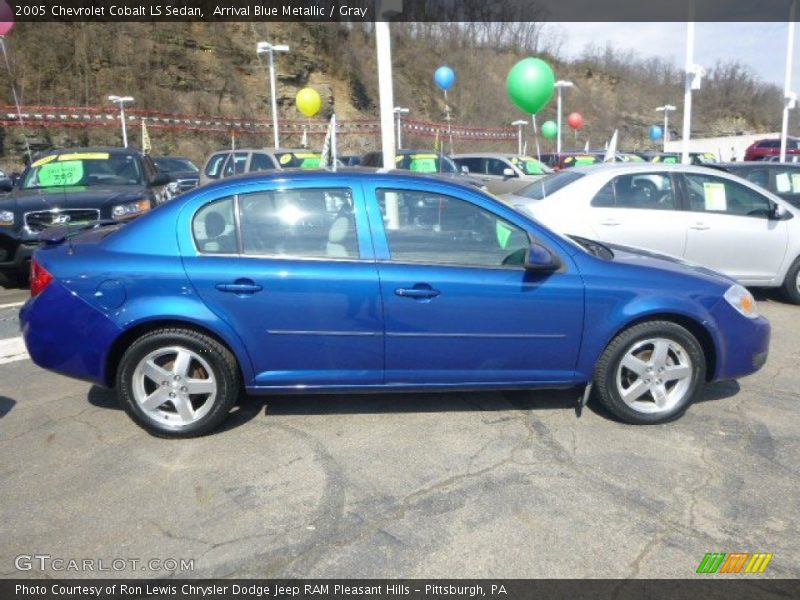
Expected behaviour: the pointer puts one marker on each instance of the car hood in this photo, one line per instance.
(72, 197)
(184, 175)
(646, 258)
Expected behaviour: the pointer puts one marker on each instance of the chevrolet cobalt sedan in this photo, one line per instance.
(372, 281)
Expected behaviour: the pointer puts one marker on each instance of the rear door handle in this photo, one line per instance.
(240, 286)
(700, 226)
(610, 222)
(418, 293)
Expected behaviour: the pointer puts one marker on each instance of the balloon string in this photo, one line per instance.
(16, 99)
(536, 137)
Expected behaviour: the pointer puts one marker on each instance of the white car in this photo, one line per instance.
(704, 216)
(502, 173)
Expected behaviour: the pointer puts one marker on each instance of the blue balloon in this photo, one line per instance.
(655, 133)
(444, 77)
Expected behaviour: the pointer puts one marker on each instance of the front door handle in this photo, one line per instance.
(418, 293)
(610, 223)
(240, 286)
(700, 226)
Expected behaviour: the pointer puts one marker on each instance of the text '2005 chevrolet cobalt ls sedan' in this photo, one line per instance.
(357, 281)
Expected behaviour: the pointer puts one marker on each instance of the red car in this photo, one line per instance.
(765, 148)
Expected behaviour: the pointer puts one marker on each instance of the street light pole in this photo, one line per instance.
(520, 123)
(666, 108)
(399, 112)
(271, 49)
(789, 97)
(121, 100)
(560, 85)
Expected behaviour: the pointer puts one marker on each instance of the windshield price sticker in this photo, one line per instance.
(61, 173)
(795, 183)
(715, 198)
(84, 156)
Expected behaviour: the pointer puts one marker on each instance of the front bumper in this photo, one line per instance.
(743, 344)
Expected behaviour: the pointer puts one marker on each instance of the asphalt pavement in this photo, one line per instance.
(423, 485)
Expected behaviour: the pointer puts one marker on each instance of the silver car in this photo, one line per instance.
(225, 163)
(502, 173)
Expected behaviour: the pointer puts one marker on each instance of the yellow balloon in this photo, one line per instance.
(308, 101)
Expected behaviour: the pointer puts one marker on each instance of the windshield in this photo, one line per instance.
(548, 185)
(299, 160)
(427, 162)
(174, 165)
(530, 166)
(83, 169)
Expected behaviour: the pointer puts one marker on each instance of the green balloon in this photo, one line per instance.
(549, 130)
(530, 84)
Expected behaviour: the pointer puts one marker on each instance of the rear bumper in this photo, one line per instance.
(65, 334)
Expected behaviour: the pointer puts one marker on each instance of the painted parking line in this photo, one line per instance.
(11, 305)
(12, 349)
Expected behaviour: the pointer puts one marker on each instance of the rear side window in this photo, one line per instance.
(309, 223)
(648, 191)
(787, 181)
(214, 228)
(548, 185)
(261, 162)
(475, 165)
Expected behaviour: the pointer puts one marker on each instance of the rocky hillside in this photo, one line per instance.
(212, 69)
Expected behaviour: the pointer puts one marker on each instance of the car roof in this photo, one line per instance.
(106, 149)
(356, 172)
(487, 154)
(634, 167)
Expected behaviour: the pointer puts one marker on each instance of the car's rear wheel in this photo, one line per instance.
(791, 284)
(650, 373)
(177, 382)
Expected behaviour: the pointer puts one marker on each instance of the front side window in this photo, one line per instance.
(424, 227)
(495, 166)
(214, 228)
(474, 164)
(717, 195)
(649, 191)
(313, 223)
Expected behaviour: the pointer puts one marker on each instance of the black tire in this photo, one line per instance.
(790, 284)
(605, 375)
(219, 360)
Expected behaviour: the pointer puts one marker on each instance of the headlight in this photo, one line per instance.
(129, 209)
(742, 300)
(173, 187)
(6, 217)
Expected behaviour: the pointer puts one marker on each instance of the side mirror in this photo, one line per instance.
(539, 258)
(160, 179)
(779, 213)
(465, 169)
(6, 185)
(509, 172)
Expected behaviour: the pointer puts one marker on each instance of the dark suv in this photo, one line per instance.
(73, 187)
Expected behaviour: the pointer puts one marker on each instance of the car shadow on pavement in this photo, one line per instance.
(250, 406)
(6, 404)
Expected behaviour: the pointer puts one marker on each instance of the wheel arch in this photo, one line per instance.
(127, 337)
(695, 327)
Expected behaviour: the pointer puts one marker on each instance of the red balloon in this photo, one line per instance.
(6, 18)
(575, 120)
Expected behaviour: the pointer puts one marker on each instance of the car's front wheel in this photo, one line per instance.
(791, 284)
(177, 382)
(650, 373)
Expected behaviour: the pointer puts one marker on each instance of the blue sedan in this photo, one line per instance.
(373, 281)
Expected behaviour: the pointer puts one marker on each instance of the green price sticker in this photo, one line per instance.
(62, 173)
(503, 233)
(423, 165)
(310, 163)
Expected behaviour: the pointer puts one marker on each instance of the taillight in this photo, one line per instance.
(40, 278)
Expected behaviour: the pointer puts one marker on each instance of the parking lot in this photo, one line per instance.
(436, 485)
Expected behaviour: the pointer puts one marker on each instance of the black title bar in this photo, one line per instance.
(400, 10)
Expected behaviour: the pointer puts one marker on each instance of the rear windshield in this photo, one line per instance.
(548, 185)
